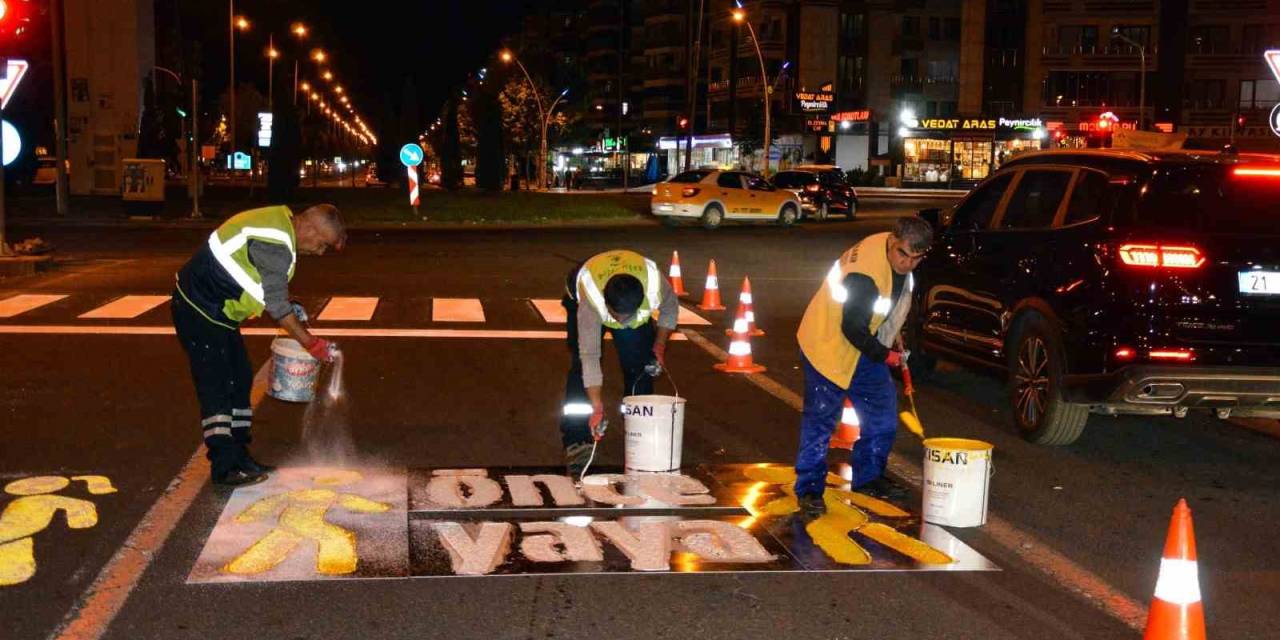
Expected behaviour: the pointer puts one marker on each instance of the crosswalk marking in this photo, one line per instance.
(456, 310)
(335, 332)
(125, 308)
(10, 307)
(551, 310)
(349, 309)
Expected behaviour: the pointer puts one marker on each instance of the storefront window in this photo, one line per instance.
(1007, 149)
(972, 159)
(926, 160)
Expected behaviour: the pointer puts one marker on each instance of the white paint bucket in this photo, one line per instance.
(957, 478)
(293, 371)
(655, 432)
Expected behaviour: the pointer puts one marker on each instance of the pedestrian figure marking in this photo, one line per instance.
(33, 512)
(302, 518)
(845, 515)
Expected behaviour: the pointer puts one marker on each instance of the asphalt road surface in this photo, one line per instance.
(1076, 531)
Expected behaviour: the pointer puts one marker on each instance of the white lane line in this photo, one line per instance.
(1035, 552)
(552, 311)
(340, 332)
(10, 307)
(125, 308)
(456, 310)
(349, 309)
(98, 606)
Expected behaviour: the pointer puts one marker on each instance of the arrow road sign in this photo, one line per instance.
(411, 155)
(9, 83)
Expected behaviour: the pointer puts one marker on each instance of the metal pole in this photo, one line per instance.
(764, 88)
(271, 73)
(542, 113)
(692, 95)
(1142, 90)
(59, 106)
(295, 81)
(231, 120)
(195, 150)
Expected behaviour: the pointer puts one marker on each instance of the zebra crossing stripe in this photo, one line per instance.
(125, 308)
(552, 311)
(10, 307)
(350, 309)
(456, 310)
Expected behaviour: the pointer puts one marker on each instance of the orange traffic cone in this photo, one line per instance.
(740, 349)
(848, 431)
(745, 301)
(1176, 612)
(677, 279)
(711, 294)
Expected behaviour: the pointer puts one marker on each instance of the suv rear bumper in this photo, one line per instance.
(1158, 389)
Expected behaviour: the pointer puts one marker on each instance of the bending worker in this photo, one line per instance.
(242, 270)
(618, 291)
(846, 339)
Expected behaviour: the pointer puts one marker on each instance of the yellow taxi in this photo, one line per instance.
(712, 196)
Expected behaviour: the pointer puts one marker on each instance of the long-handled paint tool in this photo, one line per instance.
(910, 419)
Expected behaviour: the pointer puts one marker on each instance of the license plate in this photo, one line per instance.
(666, 207)
(1265, 283)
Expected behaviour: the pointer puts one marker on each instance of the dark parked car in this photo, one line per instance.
(822, 188)
(1112, 281)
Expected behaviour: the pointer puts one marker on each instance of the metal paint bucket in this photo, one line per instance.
(655, 432)
(293, 371)
(957, 480)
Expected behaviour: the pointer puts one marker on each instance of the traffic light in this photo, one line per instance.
(1240, 122)
(684, 123)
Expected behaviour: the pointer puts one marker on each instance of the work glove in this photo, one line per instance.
(597, 418)
(660, 352)
(894, 359)
(321, 350)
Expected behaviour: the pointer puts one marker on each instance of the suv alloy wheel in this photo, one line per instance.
(1035, 385)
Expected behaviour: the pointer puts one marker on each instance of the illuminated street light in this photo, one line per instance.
(306, 86)
(319, 55)
(242, 23)
(328, 75)
(273, 53)
(740, 16)
(337, 89)
(298, 29)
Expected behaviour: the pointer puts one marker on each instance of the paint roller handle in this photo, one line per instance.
(906, 377)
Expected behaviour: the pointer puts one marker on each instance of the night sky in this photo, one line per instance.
(375, 46)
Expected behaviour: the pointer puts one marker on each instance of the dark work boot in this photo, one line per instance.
(238, 478)
(226, 466)
(883, 488)
(248, 463)
(812, 506)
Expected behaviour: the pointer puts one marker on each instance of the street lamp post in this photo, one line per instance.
(241, 23)
(1142, 77)
(739, 15)
(299, 31)
(543, 115)
(272, 54)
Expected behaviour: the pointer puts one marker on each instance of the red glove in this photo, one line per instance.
(597, 416)
(894, 359)
(319, 349)
(660, 352)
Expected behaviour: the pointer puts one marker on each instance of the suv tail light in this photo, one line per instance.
(1173, 355)
(690, 192)
(1166, 256)
(1256, 171)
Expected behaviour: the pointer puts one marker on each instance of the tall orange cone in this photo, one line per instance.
(711, 295)
(740, 349)
(745, 301)
(677, 279)
(848, 431)
(1176, 612)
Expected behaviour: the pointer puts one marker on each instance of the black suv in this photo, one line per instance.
(1112, 281)
(822, 190)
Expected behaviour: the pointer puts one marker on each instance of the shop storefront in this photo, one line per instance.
(960, 152)
(1093, 132)
(709, 151)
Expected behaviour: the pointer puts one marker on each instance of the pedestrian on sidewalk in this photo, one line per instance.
(617, 291)
(242, 270)
(846, 341)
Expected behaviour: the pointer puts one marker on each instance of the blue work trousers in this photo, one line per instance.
(875, 400)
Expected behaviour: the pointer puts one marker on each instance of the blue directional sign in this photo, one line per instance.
(411, 155)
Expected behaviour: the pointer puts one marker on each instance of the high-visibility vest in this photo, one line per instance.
(220, 281)
(820, 336)
(595, 274)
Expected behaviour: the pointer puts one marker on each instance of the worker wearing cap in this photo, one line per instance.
(846, 338)
(243, 270)
(619, 292)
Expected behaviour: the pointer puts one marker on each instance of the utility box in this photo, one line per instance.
(143, 180)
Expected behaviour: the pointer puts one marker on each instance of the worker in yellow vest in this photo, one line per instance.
(243, 270)
(847, 339)
(621, 292)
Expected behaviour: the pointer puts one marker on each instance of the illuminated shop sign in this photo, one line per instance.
(815, 100)
(1019, 124)
(852, 116)
(962, 124)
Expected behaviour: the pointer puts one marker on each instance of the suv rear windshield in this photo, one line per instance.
(1210, 199)
(791, 179)
(690, 176)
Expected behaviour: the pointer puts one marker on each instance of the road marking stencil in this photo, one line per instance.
(33, 510)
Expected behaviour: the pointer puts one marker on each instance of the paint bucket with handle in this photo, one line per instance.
(293, 371)
(654, 426)
(957, 481)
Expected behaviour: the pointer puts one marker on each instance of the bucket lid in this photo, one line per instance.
(653, 399)
(290, 348)
(960, 444)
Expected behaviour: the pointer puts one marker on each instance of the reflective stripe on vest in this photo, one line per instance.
(881, 307)
(224, 252)
(652, 292)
